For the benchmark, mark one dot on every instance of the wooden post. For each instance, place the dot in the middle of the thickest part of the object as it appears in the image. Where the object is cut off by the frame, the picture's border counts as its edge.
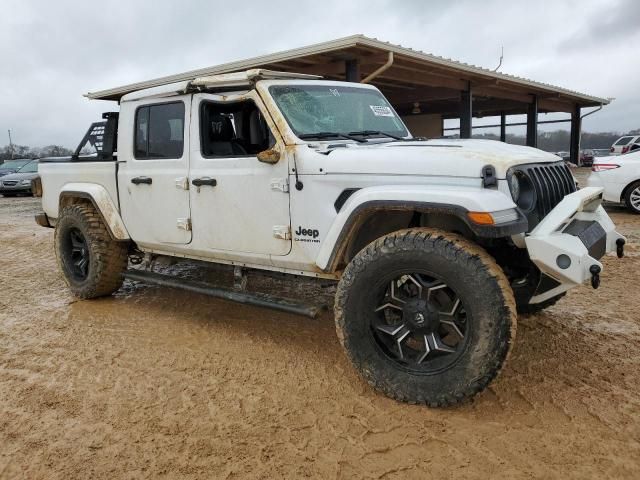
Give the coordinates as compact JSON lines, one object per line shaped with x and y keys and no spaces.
{"x":532,"y":123}
{"x":352,"y":70}
{"x":466,"y":112}
{"x":576,"y":125}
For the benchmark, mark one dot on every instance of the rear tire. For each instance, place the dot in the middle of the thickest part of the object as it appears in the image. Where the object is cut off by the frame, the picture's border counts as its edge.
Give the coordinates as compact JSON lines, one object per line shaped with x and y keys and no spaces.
{"x":632,"y":197}
{"x":91,"y":261}
{"x":455,"y":274}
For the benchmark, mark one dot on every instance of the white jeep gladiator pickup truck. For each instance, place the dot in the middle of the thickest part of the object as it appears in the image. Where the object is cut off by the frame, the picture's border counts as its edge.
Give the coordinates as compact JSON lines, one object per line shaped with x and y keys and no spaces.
{"x":435,"y":245}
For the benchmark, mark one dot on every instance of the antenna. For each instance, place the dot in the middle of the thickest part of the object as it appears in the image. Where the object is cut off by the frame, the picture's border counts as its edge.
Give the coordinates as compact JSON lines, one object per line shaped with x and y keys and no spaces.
{"x":501,"y":57}
{"x":10,"y":144}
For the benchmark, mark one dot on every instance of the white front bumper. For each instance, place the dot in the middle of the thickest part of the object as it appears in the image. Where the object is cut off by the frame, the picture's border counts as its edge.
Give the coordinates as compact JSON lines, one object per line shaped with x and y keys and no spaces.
{"x":547,"y":242}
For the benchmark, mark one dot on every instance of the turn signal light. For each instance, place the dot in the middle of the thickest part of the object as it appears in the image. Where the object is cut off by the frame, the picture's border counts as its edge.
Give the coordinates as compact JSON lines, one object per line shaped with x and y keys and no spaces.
{"x":481,"y":218}
{"x":601,"y":167}
{"x":36,"y":187}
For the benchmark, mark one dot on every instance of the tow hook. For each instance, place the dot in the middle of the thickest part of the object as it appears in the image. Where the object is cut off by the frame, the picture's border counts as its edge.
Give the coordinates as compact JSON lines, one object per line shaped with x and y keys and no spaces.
{"x":595,"y":275}
{"x":620,"y":247}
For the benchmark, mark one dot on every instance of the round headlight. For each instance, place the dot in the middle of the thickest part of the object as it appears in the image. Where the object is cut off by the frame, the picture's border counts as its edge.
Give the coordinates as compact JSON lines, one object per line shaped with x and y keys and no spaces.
{"x":522,"y":190}
{"x":514,"y":186}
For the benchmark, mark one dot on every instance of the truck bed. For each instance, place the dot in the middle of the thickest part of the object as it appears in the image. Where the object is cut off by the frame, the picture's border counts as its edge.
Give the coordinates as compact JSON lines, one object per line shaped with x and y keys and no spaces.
{"x":60,"y":174}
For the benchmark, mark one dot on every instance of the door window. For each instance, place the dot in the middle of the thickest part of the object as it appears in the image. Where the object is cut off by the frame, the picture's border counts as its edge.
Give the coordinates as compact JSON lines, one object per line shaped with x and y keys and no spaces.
{"x":235,"y":129}
{"x":159,"y":131}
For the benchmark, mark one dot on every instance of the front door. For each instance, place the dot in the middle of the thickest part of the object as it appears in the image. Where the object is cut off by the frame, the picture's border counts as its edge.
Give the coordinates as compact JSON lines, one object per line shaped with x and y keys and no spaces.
{"x":239,"y":205}
{"x":152,"y":171}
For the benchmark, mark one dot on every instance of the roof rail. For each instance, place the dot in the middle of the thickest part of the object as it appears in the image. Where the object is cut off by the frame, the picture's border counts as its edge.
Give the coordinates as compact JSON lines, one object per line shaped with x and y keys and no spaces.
{"x":246,"y":78}
{"x":224,"y":80}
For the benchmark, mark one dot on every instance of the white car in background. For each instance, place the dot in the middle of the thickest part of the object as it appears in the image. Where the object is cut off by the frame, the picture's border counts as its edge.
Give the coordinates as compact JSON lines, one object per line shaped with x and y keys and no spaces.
{"x":620,"y":178}
{"x":623,"y":144}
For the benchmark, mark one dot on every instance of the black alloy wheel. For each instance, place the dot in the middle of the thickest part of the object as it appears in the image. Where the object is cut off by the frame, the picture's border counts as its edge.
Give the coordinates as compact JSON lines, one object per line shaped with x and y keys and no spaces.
{"x":420,"y":323}
{"x":76,"y":255}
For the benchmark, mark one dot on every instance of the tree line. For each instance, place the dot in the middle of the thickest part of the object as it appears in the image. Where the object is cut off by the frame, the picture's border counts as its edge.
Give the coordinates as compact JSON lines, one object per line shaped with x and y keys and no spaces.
{"x":559,"y":140}
{"x":22,"y":151}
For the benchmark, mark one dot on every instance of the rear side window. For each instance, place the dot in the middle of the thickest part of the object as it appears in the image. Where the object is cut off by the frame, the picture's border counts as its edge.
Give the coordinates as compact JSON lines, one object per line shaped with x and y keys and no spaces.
{"x":159,"y":131}
{"x":624,"y":141}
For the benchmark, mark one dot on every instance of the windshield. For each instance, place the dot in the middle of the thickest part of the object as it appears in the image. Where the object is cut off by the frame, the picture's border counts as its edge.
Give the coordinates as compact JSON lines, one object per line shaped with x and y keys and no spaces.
{"x":311,"y":109}
{"x":13,"y":164}
{"x":30,"y":167}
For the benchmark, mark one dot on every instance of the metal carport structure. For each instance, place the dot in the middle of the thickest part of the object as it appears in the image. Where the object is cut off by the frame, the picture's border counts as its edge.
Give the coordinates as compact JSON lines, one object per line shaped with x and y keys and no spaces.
{"x":425,"y":89}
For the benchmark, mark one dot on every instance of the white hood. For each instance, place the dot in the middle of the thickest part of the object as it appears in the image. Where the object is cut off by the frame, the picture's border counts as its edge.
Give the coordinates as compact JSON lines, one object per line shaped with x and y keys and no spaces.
{"x":443,"y":157}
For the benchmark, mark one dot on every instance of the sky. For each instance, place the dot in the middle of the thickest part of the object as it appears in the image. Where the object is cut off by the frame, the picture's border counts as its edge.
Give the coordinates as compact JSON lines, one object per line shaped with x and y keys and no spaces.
{"x":51,"y":53}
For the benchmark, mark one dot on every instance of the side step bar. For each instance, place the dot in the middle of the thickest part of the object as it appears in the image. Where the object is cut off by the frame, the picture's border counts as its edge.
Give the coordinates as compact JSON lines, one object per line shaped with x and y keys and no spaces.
{"x":256,"y":299}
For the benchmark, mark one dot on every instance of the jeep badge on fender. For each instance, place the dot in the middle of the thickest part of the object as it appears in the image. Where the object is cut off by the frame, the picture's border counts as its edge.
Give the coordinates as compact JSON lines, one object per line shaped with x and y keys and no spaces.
{"x":307,"y":232}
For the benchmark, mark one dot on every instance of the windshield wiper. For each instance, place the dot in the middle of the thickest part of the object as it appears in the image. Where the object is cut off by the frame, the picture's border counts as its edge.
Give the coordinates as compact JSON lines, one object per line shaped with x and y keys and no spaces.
{"x":321,"y":135}
{"x":368,"y":133}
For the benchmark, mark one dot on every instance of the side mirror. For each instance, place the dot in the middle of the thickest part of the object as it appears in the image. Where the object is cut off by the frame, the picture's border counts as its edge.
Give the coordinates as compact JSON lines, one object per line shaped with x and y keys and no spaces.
{"x":269,"y":156}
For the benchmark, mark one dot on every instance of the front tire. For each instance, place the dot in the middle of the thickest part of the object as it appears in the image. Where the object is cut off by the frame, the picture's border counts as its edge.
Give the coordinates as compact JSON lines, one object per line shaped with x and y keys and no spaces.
{"x":425,"y":316}
{"x":632,"y":197}
{"x":91,"y":261}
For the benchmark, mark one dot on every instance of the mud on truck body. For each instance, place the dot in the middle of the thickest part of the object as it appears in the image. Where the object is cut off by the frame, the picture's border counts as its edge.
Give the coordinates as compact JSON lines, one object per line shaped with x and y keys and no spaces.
{"x":435,"y":245}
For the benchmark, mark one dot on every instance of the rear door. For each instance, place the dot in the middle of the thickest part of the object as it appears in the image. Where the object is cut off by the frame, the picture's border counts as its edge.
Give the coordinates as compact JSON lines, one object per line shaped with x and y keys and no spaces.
{"x":153,"y":158}
{"x":239,"y":205}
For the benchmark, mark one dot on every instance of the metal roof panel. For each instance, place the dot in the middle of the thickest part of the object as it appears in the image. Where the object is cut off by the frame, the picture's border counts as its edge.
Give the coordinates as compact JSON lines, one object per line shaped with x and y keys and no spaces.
{"x":341,"y":44}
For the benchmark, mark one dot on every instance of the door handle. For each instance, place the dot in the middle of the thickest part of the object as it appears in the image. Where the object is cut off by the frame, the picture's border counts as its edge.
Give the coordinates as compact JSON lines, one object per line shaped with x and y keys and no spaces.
{"x":199,"y":182}
{"x":139,"y":180}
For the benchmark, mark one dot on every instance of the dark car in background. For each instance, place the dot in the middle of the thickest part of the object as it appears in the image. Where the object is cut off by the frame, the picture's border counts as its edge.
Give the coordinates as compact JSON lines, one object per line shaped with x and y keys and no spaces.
{"x":12,"y":166}
{"x":19,"y":182}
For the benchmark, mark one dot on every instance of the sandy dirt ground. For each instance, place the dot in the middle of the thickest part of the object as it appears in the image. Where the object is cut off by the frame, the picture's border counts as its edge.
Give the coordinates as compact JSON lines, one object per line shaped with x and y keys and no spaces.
{"x":156,"y":383}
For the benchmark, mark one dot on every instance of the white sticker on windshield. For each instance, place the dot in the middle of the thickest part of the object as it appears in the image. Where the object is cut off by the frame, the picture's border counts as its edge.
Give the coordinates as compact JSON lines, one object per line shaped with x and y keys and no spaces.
{"x":381,"y":111}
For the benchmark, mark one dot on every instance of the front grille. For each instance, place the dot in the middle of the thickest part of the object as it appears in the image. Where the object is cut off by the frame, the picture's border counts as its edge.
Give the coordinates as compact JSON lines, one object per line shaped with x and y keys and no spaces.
{"x":551,"y":182}
{"x":10,"y":183}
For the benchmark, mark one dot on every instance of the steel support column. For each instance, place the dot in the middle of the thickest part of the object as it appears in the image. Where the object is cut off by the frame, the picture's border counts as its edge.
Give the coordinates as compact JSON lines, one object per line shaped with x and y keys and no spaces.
{"x":466,"y":112}
{"x":503,"y":127}
{"x":352,"y":70}
{"x":532,"y":123}
{"x":576,"y":125}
